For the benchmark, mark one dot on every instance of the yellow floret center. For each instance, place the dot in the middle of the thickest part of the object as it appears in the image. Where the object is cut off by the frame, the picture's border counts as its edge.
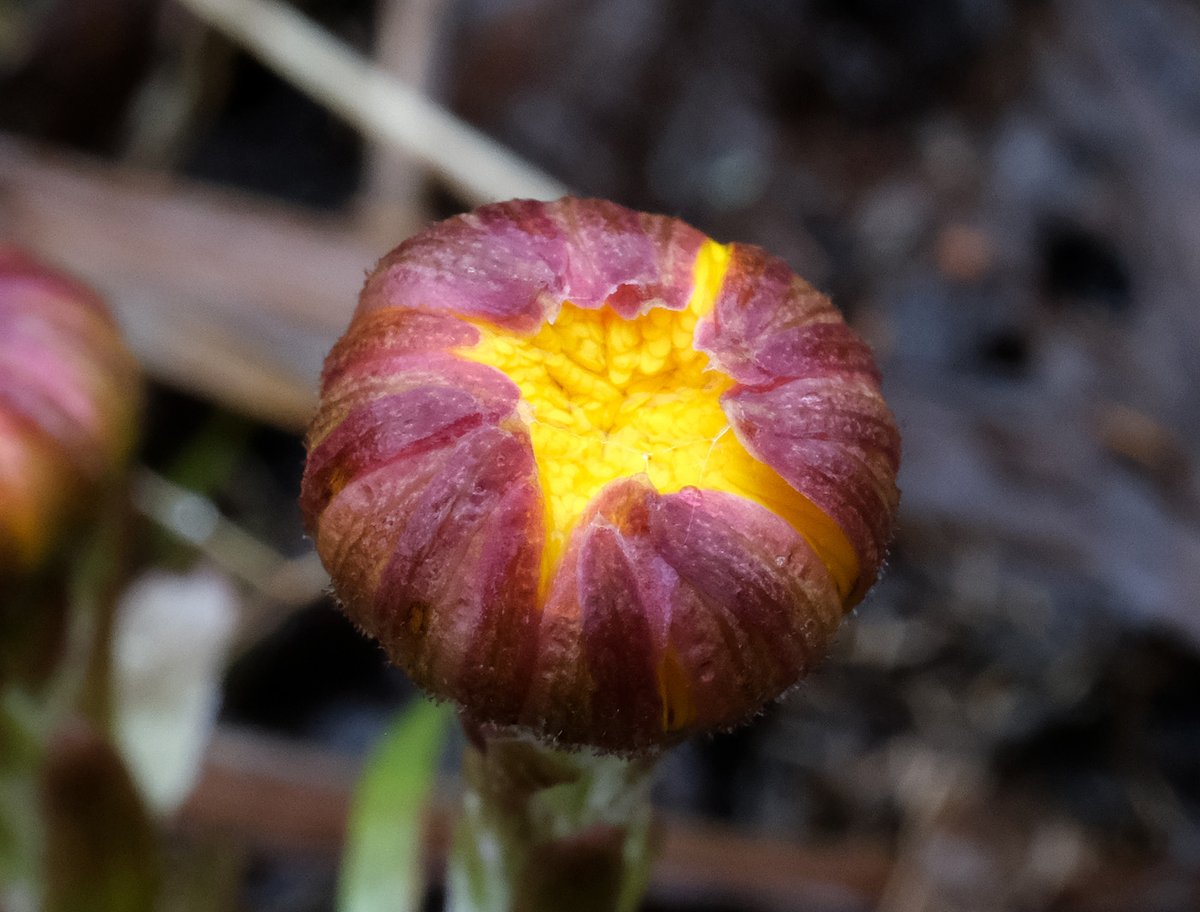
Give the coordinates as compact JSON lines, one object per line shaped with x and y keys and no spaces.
{"x":607,"y":398}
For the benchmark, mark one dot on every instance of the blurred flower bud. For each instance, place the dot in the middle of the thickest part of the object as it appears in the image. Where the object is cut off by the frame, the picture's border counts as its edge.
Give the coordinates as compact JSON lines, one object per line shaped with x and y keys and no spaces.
{"x":69,"y":394}
{"x":585,"y":471}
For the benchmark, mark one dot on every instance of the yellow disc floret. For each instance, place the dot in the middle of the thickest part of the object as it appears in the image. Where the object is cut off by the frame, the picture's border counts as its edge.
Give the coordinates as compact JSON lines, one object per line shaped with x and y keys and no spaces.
{"x":606,"y":398}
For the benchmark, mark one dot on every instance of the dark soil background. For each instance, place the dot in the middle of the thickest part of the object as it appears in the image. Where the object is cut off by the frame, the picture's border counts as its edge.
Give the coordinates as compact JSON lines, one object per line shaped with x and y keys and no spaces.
{"x":1004,"y":198}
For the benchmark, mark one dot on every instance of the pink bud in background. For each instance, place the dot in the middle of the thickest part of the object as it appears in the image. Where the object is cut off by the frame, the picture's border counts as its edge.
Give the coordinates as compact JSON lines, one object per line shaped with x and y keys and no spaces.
{"x":587,"y":472}
{"x":69,"y":396}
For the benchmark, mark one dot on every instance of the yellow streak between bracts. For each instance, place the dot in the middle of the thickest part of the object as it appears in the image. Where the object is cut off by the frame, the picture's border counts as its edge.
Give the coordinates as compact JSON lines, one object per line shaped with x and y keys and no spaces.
{"x":606,"y":398}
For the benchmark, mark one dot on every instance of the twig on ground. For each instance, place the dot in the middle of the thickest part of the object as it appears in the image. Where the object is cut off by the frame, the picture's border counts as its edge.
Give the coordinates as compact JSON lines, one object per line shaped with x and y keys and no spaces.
{"x":281,"y":795}
{"x":408,"y":44}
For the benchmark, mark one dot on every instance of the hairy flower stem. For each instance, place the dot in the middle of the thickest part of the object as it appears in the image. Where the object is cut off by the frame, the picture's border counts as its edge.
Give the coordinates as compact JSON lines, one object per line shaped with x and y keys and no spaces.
{"x":545,"y":830}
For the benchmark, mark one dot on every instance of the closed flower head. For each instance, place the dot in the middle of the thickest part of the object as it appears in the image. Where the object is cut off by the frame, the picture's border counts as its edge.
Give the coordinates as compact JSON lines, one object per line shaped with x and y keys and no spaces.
{"x":69,"y":395}
{"x":585,"y":471}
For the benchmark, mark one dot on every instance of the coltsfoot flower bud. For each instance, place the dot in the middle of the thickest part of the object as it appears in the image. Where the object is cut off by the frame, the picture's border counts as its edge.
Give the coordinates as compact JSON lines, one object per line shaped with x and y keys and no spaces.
{"x":585,"y":471}
{"x":69,"y":395}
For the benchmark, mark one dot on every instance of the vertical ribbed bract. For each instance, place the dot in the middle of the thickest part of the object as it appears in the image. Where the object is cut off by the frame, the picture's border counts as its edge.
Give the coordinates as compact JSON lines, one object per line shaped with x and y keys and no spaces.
{"x":435,"y":479}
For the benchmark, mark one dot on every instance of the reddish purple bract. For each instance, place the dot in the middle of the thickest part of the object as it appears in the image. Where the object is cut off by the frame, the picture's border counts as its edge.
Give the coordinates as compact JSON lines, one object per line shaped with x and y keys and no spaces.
{"x":666,"y":612}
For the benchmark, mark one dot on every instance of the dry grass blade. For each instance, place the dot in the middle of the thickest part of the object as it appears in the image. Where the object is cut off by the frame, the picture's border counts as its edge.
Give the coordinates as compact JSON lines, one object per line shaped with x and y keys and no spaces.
{"x":474,"y":165}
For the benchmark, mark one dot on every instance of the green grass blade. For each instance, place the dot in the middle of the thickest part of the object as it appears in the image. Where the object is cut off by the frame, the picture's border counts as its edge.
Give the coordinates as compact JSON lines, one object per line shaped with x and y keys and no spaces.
{"x":381,"y":870}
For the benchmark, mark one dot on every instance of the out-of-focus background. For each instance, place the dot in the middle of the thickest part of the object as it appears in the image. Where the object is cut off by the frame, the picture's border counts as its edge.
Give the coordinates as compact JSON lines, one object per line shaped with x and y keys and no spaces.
{"x":1002,"y":195}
